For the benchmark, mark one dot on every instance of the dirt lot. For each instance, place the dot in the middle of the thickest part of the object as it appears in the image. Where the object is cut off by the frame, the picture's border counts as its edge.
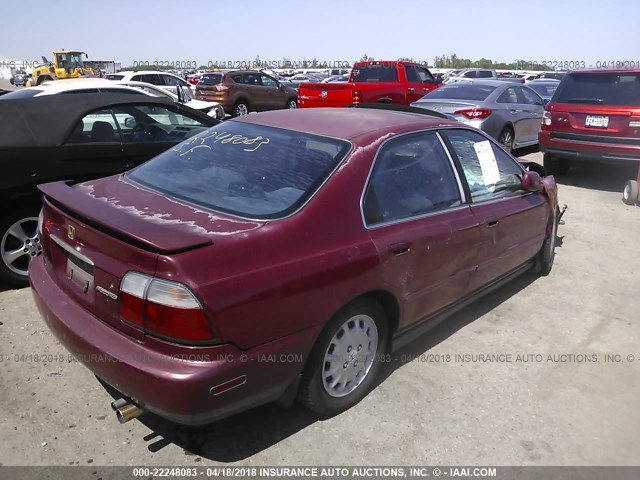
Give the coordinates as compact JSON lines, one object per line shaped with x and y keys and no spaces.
{"x":568,"y":406}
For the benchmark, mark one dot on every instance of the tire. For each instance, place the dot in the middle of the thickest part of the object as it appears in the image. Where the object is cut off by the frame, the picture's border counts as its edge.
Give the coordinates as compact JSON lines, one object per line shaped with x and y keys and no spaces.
{"x":241,"y":108}
{"x":357,"y":363}
{"x":18,"y":232}
{"x":292,"y":103}
{"x":547,"y":254}
{"x":630,"y":193}
{"x":506,"y":139}
{"x":554,"y":165}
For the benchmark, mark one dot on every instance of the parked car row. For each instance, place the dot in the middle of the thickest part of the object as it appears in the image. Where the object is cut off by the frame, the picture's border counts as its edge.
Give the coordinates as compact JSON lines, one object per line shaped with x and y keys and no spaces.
{"x":91,"y":85}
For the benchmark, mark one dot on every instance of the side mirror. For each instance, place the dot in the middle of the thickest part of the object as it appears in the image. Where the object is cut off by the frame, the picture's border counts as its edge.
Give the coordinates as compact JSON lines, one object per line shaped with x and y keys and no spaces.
{"x":180,"y":93}
{"x":532,"y":182}
{"x":545,"y":102}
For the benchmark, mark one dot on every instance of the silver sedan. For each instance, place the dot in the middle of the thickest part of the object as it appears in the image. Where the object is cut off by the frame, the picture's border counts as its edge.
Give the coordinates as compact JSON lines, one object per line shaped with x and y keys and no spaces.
{"x":509,"y":112}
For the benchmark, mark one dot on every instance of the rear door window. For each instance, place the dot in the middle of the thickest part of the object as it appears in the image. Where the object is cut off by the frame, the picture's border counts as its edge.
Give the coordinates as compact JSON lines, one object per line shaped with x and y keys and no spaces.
{"x":606,"y":88}
{"x":412,"y":176}
{"x":509,"y":96}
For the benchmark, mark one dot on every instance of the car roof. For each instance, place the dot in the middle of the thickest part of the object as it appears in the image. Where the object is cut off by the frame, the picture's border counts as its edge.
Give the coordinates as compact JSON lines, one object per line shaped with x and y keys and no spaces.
{"x":605,"y":70}
{"x":142,"y":72}
{"x":345,"y":123}
{"x":81,"y":84}
{"x":47,"y":121}
{"x":493,"y":83}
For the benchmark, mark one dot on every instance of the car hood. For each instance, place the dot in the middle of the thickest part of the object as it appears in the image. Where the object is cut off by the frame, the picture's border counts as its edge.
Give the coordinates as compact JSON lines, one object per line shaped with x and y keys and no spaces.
{"x":201,"y":104}
{"x":146,"y":218}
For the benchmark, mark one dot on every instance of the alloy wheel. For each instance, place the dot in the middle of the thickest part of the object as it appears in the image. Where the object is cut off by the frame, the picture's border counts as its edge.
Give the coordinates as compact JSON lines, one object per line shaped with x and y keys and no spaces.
{"x":20,"y":245}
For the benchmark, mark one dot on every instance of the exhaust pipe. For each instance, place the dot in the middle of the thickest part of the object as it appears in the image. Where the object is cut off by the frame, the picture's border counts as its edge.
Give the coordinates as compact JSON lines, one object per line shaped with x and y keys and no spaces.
{"x":128,"y":412}
{"x":118,"y":403}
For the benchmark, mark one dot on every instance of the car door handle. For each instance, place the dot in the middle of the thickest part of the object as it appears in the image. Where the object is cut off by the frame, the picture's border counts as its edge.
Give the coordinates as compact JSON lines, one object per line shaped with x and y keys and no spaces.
{"x":398,"y":249}
{"x":513,"y":111}
{"x":411,"y":89}
{"x":491,"y":221}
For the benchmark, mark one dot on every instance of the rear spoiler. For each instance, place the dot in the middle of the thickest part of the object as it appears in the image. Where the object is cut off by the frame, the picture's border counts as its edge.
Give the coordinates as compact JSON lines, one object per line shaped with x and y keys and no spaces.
{"x":162,"y":238}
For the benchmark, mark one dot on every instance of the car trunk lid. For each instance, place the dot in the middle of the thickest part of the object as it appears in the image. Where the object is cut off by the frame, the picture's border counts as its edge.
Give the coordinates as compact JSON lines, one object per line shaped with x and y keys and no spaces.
{"x":597,"y":104}
{"x":595,"y":120}
{"x":95,"y":232}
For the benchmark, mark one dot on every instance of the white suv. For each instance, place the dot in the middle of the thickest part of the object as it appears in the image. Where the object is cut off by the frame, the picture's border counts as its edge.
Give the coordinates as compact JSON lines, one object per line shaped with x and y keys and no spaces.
{"x":166,"y":81}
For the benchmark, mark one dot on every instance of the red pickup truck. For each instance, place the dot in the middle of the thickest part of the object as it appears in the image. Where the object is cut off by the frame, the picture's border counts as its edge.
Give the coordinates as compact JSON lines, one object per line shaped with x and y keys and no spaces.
{"x":371,"y":82}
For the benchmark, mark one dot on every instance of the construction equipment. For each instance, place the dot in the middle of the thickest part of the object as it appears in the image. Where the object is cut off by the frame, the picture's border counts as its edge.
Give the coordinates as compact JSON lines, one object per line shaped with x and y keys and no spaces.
{"x":65,"y":64}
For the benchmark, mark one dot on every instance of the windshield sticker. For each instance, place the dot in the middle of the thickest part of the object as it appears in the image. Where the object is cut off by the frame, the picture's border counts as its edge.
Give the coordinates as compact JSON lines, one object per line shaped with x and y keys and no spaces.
{"x":488,"y":163}
{"x":223,"y":138}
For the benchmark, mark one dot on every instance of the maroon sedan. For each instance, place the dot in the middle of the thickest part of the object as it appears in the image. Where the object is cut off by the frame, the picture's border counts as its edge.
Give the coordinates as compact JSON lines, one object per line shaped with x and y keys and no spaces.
{"x":283,"y":255}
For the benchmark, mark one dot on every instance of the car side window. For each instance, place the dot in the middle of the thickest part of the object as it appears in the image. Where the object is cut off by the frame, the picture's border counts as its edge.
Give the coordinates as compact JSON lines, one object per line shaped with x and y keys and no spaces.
{"x":252,"y":79}
{"x":155,"y":123}
{"x":470,"y":74}
{"x":424,"y":75}
{"x":509,"y":96}
{"x":530,"y":97}
{"x":412,"y":176}
{"x":412,"y":74}
{"x":96,"y":127}
{"x":267,"y":81}
{"x":490,"y":171}
{"x":485,"y":74}
{"x":170,"y":81}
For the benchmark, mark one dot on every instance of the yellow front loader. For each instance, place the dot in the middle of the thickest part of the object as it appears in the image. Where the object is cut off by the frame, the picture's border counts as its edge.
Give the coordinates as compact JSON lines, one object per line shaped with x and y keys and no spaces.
{"x":65,"y":64}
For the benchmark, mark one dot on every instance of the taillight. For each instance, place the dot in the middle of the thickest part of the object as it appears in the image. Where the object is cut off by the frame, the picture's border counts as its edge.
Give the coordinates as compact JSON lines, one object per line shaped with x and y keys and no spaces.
{"x":164,"y":308}
{"x":474,"y":113}
{"x":546,"y":120}
{"x":356,"y":97}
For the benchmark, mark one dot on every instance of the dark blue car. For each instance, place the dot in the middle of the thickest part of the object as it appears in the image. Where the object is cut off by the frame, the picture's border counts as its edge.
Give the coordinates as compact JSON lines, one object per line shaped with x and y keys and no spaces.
{"x":19,"y":78}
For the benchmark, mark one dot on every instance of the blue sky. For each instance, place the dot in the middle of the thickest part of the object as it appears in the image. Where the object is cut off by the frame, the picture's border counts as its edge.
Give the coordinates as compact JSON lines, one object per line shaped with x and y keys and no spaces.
{"x":169,"y":30}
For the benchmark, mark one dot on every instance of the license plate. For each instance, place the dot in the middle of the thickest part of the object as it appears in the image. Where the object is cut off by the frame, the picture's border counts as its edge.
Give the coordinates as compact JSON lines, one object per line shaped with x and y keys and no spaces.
{"x":597,"y":121}
{"x":80,"y":273}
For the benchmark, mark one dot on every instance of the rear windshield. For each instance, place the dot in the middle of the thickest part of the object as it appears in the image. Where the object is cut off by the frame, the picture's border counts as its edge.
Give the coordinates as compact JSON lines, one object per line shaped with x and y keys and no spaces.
{"x":211,"y":79}
{"x":112,"y":76}
{"x":247,"y":170}
{"x":599,"y":89}
{"x":460,"y":91}
{"x":375,"y":73}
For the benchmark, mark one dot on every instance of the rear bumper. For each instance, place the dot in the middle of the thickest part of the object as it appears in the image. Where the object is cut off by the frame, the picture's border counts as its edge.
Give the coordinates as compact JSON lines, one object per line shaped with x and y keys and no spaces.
{"x":172,"y":381}
{"x":588,"y":151}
